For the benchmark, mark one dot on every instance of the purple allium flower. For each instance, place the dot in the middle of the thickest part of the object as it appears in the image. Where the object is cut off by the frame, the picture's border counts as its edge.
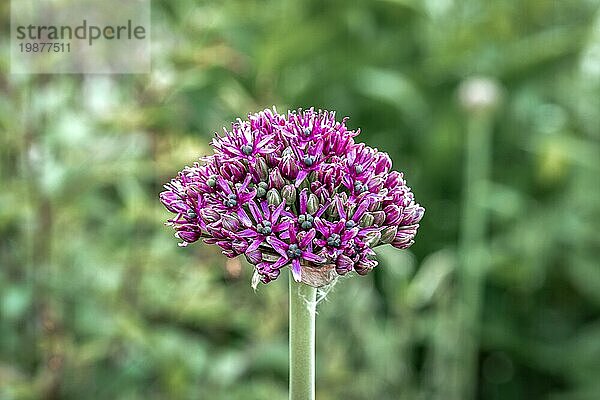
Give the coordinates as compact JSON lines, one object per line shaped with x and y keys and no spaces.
{"x":294,"y":189}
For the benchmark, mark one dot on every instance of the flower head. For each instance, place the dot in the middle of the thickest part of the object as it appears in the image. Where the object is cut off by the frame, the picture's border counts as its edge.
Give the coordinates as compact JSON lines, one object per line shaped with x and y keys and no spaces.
{"x":294,"y":190}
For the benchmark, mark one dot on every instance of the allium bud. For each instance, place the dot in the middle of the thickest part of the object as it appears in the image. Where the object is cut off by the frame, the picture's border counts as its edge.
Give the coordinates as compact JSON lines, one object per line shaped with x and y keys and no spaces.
{"x":479,"y":94}
{"x":234,"y":171}
{"x":321,"y":193}
{"x":209,"y":215}
{"x":406,"y":232}
{"x":312,"y":205}
{"x":254,"y":257}
{"x":288,"y":193}
{"x":230,"y":222}
{"x":378,"y":217}
{"x":351,"y":208}
{"x":262,"y":168}
{"x":373,"y":238}
{"x":343,"y":264}
{"x":332,"y":210}
{"x":261,"y":189}
{"x":402,"y":244}
{"x":393,"y":215}
{"x":394,"y":179}
{"x":172,"y":202}
{"x":366,"y":262}
{"x":383,"y":163}
{"x":362,"y":268}
{"x":404,"y":237}
{"x":366,"y":220}
{"x":188,"y":236}
{"x":289,"y":167}
{"x":271,"y":159}
{"x":275,"y":179}
{"x":388,"y":234}
{"x":273,"y":197}
{"x":239,"y":246}
{"x":412,"y":215}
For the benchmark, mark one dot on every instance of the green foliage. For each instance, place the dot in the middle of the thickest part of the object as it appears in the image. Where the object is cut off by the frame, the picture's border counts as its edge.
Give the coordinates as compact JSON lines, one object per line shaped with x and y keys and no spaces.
{"x":98,"y":302}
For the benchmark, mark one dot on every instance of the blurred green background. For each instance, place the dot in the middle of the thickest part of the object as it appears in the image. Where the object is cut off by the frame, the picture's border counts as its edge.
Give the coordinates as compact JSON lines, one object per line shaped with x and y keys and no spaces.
{"x":498,"y":299}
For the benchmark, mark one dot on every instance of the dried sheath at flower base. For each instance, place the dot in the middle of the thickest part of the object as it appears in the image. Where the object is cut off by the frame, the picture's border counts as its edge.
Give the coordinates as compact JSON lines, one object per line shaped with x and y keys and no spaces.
{"x":294,"y":190}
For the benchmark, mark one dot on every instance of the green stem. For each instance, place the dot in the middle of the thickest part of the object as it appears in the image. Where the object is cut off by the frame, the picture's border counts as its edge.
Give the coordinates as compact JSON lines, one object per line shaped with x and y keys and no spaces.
{"x":473,"y":262}
{"x":302,"y":340}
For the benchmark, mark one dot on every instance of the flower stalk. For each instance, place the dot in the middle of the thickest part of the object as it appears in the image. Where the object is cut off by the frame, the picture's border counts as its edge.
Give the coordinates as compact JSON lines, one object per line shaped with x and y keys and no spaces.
{"x":480,"y":98}
{"x":303,"y":299}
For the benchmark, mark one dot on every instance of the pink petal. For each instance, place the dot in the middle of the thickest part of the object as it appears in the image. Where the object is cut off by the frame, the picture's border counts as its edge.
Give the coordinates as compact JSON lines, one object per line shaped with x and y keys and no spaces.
{"x":296,"y":270}
{"x":340,"y":208}
{"x":277,"y":212}
{"x":265,"y":207}
{"x":263,"y":142}
{"x":245,"y":183}
{"x":319,"y":149}
{"x":339,"y":227}
{"x":223,"y":185}
{"x":247,"y":233}
{"x":278,"y":245}
{"x":307,"y":239}
{"x":301,"y":175}
{"x":360,"y":210}
{"x":255,"y":245}
{"x":255,"y":211}
{"x":244,"y":217}
{"x":303,"y":200}
{"x":324,"y":208}
{"x":279,"y":263}
{"x":308,"y":256}
{"x":321,"y":226}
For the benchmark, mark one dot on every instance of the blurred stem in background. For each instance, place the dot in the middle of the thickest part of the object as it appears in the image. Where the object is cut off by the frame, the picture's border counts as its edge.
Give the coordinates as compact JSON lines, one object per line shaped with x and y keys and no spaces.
{"x":303,"y":302}
{"x":479,"y":97}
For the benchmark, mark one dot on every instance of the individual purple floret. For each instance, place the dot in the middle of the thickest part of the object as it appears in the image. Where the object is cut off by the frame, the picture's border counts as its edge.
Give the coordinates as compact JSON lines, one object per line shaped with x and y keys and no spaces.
{"x":294,"y":189}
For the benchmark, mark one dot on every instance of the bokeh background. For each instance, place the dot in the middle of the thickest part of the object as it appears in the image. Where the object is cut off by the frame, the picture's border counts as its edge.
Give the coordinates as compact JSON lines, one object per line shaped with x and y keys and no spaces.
{"x":498,"y":299}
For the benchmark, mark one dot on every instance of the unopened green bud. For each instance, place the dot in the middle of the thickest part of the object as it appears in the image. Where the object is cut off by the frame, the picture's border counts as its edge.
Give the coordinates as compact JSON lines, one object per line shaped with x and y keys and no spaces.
{"x":262,"y":168}
{"x":261,"y":192}
{"x":275,"y":178}
{"x":273,"y":197}
{"x":312,"y":205}
{"x":322,"y":197}
{"x":388,"y":234}
{"x":372,"y":239}
{"x":350,"y":209}
{"x":289,"y":194}
{"x":332,"y":211}
{"x":212,"y":181}
{"x":366,"y":220}
{"x":376,"y":205}
{"x":378,"y":217}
